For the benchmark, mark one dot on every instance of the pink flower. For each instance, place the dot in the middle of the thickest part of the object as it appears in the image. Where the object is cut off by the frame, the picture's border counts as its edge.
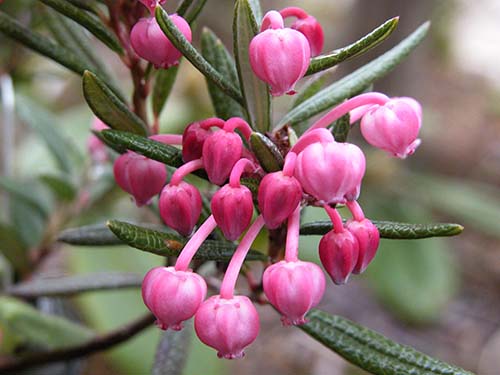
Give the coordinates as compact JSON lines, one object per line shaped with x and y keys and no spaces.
{"x":96,"y":149}
{"x":152,"y":4}
{"x":150,"y":43}
{"x":173,"y":296}
{"x":294,"y":288}
{"x":193,"y":138}
{"x":227,"y":325}
{"x":279,"y":56}
{"x":307,"y":25}
{"x":394,"y":127}
{"x":338,"y":252}
{"x":368,"y":240}
{"x":139,"y":176}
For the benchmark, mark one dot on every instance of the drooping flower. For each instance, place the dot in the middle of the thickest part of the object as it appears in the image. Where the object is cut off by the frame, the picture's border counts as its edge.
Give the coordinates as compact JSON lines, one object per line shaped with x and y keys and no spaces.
{"x":307,"y":25}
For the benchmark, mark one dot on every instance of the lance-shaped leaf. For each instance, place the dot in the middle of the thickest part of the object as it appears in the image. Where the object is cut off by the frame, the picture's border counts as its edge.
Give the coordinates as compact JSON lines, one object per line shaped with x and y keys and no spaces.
{"x":89,"y":235}
{"x":357,"y":48}
{"x":256,"y":10}
{"x":190,"y":53}
{"x":13,"y":248}
{"x":164,"y":81}
{"x":341,"y":128}
{"x":89,"y":21}
{"x":370,"y":350}
{"x":255,"y":92}
{"x":152,"y":149}
{"x":183,"y":7}
{"x":168,"y":244}
{"x":356,"y":81}
{"x":70,"y":285}
{"x":216,"y":54}
{"x":32,"y":327}
{"x":110,"y":108}
{"x":60,"y":186}
{"x":30,"y":194}
{"x":195,"y":11}
{"x":393,"y":230}
{"x":266,"y":152}
{"x":172,"y":352}
{"x":41,"y":44}
{"x":84,"y":4}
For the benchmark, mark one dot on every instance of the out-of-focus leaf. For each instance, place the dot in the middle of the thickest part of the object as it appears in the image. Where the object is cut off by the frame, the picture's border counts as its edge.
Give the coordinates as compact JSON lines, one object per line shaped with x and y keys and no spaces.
{"x":13,"y":248}
{"x":30,"y":326}
{"x":60,"y":186}
{"x":266,"y":152}
{"x":164,"y":81}
{"x":89,"y":21}
{"x":356,"y":81}
{"x":28,"y":222}
{"x":216,"y":54}
{"x":41,"y":44}
{"x":44,"y":123}
{"x":6,"y":272}
{"x":90,"y":235}
{"x":29,"y":194}
{"x":183,"y":7}
{"x":393,"y":230}
{"x":168,"y":244}
{"x":370,"y":350}
{"x":357,"y":48}
{"x":255,"y":92}
{"x":256,"y":9}
{"x":341,"y":128}
{"x":70,"y":285}
{"x":83,"y":4}
{"x":152,"y":149}
{"x":108,"y":107}
{"x":172,"y":352}
{"x":195,"y":11}
{"x":190,"y":53}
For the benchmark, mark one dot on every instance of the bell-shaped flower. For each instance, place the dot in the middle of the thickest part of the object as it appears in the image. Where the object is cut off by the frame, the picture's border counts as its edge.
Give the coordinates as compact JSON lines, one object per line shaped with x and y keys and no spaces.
{"x":338,"y":252}
{"x":307,"y":25}
{"x":368,"y":238}
{"x":193,"y":138}
{"x":173,"y":296}
{"x":221,"y":151}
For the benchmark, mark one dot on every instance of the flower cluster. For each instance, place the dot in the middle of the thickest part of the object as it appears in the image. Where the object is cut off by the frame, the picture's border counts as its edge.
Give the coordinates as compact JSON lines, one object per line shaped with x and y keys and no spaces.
{"x":317,"y":171}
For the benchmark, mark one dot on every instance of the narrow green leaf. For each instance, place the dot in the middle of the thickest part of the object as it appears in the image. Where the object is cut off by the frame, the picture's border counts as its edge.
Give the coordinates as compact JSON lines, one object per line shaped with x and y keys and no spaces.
{"x":357,"y":48}
{"x":195,"y":11}
{"x":71,"y":285}
{"x":216,"y":54}
{"x":60,"y":186}
{"x":183,"y":7}
{"x":32,"y":327}
{"x":164,"y":81}
{"x":370,"y":350}
{"x":190,"y":53}
{"x":168,"y":244}
{"x":256,"y":10}
{"x":41,"y":44}
{"x":172,"y":352}
{"x":356,"y":81}
{"x":266,"y":152}
{"x":341,"y":128}
{"x":84,"y":4}
{"x":89,"y":235}
{"x":13,"y":248}
{"x":152,"y":149}
{"x":28,"y":193}
{"x":255,"y":92}
{"x":393,"y":230}
{"x":108,"y":107}
{"x":89,"y":21}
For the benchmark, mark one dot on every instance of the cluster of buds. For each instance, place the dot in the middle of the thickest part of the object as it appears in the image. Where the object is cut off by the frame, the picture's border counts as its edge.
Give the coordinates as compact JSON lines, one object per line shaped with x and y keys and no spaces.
{"x":317,"y":171}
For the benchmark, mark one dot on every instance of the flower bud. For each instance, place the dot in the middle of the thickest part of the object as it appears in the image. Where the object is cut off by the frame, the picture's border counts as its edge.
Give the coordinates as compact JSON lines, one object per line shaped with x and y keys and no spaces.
{"x":232,"y":208}
{"x":279,"y":56}
{"x":338,"y":252}
{"x":221,"y":151}
{"x":173,"y":296}
{"x":307,"y":25}
{"x":394,"y":127}
{"x":331,"y":171}
{"x":180,"y":207}
{"x":151,"y":4}
{"x":294,"y":288}
{"x":193,"y":138}
{"x":150,"y":43}
{"x":278,"y":197}
{"x":368,"y":240}
{"x":227,"y":325}
{"x":139,"y":176}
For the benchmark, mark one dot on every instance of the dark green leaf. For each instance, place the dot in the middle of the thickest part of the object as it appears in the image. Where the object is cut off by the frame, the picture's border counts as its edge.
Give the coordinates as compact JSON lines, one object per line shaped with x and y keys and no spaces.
{"x":164,"y":81}
{"x":190,"y":53}
{"x":183,"y":7}
{"x":152,"y":149}
{"x":13,"y":248}
{"x":357,"y":48}
{"x":356,"y":81}
{"x":256,"y":93}
{"x":216,"y":54}
{"x":90,"y":235}
{"x":168,"y":244}
{"x":195,"y":11}
{"x":60,"y":186}
{"x":172,"y":352}
{"x":108,"y":107}
{"x":370,"y":350}
{"x":393,"y":230}
{"x":266,"y":152}
{"x":89,"y":21}
{"x":41,"y":44}
{"x":341,"y":128}
{"x":28,"y":221}
{"x":83,"y":4}
{"x":70,"y":285}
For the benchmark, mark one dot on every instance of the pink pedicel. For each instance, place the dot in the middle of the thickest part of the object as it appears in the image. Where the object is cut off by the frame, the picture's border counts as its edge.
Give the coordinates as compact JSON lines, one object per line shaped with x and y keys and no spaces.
{"x":307,"y":25}
{"x":329,"y":171}
{"x":139,"y":176}
{"x":294,"y":288}
{"x":279,"y":194}
{"x":194,"y":137}
{"x":96,"y":148}
{"x":279,"y":55}
{"x":173,"y":296}
{"x":228,"y":325}
{"x":394,"y":126}
{"x":152,"y":4}
{"x":150,"y":43}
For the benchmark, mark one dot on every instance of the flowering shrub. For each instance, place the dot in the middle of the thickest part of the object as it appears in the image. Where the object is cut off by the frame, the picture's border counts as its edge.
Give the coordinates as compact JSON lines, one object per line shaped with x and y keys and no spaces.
{"x":263,"y":174}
